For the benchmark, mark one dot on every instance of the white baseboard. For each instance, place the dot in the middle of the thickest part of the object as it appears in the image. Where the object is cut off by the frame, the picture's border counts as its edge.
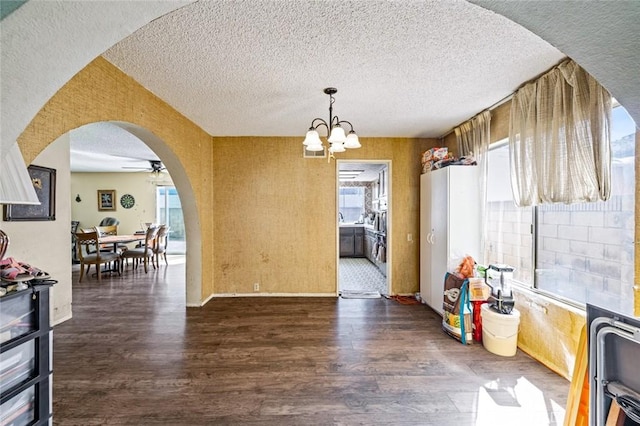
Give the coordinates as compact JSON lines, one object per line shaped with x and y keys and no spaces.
{"x":276,"y":295}
{"x":63,"y":319}
{"x":201,"y":304}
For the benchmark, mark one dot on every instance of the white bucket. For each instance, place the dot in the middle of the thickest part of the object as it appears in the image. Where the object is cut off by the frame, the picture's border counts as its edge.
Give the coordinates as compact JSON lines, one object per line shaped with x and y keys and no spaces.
{"x":500,"y":331}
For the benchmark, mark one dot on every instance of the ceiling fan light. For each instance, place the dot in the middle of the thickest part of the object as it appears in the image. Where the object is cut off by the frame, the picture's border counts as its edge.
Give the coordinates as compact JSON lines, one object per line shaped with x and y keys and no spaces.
{"x":337,"y":135}
{"x":352,"y":141}
{"x":312,"y":138}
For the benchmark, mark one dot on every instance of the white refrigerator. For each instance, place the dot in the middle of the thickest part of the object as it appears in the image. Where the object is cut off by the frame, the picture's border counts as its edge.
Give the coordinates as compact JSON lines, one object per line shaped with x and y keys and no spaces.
{"x":449,"y":226}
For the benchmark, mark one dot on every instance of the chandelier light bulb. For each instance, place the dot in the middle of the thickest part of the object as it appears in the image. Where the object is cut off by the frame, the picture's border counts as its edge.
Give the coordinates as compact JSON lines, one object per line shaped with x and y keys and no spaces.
{"x":352,"y":141}
{"x":337,"y":147}
{"x":337,"y":134}
{"x":316,"y":146}
{"x":312,"y":138}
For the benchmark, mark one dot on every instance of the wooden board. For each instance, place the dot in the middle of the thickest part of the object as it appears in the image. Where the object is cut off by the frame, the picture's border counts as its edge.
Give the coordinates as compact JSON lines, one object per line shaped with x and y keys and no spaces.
{"x":616,"y":416}
{"x":577,"y":413}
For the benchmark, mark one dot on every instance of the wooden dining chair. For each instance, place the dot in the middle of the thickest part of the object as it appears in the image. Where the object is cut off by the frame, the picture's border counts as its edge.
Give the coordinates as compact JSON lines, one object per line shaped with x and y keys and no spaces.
{"x":160,"y":247}
{"x":89,"y":253}
{"x":107,"y":230}
{"x":145,"y":251}
{"x":110,"y":230}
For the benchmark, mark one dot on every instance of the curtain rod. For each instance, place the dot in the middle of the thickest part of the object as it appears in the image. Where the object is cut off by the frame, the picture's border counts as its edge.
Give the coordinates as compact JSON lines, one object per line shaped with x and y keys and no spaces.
{"x":509,"y":97}
{"x":491,"y":108}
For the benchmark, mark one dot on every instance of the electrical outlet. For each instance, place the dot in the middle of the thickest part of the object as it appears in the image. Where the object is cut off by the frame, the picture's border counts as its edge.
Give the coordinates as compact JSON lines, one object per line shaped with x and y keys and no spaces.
{"x":410,"y":237}
{"x":256,"y":287}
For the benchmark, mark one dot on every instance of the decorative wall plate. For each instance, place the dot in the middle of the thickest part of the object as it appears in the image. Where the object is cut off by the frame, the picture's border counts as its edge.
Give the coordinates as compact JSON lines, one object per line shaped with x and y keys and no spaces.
{"x":127,"y":201}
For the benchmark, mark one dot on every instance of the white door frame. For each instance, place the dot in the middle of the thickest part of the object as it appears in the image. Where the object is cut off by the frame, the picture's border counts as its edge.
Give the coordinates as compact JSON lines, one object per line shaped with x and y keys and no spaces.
{"x":389,"y":252}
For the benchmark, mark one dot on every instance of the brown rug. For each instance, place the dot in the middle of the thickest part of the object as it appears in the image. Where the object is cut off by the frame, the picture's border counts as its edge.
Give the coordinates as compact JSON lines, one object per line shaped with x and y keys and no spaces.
{"x":405,"y":300}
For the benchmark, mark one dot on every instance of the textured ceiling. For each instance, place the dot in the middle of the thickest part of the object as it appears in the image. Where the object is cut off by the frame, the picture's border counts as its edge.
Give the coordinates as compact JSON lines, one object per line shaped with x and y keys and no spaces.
{"x":602,"y":36}
{"x":405,"y":69}
{"x":107,"y":147}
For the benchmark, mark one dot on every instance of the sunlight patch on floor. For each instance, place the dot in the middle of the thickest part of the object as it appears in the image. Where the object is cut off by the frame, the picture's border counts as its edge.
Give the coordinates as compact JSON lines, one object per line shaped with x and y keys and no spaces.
{"x":175,"y":259}
{"x":502,"y":403}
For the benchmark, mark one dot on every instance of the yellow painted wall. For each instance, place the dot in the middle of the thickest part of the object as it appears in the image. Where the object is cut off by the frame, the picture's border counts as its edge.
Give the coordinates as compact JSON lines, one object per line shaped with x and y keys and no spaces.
{"x":549,"y":331}
{"x":276,"y":214}
{"x":101,"y":92}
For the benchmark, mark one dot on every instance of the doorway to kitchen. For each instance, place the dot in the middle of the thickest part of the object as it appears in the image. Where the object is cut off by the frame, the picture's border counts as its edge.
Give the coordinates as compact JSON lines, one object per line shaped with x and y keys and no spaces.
{"x":363,"y":218}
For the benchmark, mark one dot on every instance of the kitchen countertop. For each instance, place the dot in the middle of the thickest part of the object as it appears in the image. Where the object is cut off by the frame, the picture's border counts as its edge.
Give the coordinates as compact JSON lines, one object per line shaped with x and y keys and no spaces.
{"x":367,"y":226}
{"x":355,"y":225}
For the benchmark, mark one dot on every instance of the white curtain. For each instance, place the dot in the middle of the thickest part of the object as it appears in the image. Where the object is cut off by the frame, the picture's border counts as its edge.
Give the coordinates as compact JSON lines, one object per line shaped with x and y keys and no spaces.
{"x":559,"y":139}
{"x":473,"y":138}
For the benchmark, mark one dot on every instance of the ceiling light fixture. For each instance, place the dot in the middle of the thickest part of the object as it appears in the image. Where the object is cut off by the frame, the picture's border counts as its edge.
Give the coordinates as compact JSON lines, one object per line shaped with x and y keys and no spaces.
{"x":335,"y":133}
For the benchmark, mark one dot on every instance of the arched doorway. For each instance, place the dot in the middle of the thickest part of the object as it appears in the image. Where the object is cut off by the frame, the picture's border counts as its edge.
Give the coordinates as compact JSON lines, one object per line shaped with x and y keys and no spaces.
{"x":181,"y":183}
{"x":55,"y":154}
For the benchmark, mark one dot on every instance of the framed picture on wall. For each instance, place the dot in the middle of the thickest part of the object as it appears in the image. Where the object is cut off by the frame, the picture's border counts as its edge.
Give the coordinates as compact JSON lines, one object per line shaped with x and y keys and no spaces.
{"x":44,"y":182}
{"x":106,"y":199}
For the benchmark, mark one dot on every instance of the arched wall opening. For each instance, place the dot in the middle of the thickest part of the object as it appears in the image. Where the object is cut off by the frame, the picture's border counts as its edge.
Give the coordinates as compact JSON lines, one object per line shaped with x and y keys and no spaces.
{"x":100,"y":93}
{"x":130,"y":136}
{"x":187,"y":199}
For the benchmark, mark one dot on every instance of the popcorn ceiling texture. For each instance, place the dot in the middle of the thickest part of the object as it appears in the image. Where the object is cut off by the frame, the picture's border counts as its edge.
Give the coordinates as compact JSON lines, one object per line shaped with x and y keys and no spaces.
{"x":600,"y":36}
{"x":45,"y":43}
{"x":402,"y":69}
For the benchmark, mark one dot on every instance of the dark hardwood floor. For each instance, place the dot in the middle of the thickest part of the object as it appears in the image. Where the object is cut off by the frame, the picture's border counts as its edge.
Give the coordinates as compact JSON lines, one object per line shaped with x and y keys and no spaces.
{"x":133,"y":354}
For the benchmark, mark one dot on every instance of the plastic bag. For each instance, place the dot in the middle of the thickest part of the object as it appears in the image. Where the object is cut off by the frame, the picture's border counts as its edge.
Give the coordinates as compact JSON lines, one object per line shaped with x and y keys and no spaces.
{"x":462,"y":267}
{"x":456,"y":318}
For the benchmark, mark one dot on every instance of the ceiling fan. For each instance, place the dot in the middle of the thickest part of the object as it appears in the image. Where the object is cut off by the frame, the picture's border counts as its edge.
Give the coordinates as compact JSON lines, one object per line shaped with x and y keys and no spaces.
{"x":155,"y":166}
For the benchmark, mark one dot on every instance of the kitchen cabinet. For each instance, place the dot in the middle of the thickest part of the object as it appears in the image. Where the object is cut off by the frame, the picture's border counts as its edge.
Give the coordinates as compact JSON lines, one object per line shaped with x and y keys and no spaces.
{"x":25,"y":357}
{"x":373,"y":239}
{"x":380,"y":190}
{"x":369,"y":241}
{"x":383,"y":182}
{"x":351,"y":241}
{"x":449,"y":226}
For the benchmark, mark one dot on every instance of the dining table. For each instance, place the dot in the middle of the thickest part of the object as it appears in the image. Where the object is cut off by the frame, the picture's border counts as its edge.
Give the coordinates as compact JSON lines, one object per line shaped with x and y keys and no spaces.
{"x":119,"y":239}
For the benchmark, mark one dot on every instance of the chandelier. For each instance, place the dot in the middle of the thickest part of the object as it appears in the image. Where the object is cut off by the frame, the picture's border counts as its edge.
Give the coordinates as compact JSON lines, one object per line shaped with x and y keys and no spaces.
{"x":338,"y":140}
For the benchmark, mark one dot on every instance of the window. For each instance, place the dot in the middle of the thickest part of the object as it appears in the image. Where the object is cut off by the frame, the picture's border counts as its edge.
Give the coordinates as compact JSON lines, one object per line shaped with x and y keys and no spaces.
{"x":352,"y":203}
{"x":508,"y":238}
{"x":583,"y":252}
{"x":169,"y":211}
